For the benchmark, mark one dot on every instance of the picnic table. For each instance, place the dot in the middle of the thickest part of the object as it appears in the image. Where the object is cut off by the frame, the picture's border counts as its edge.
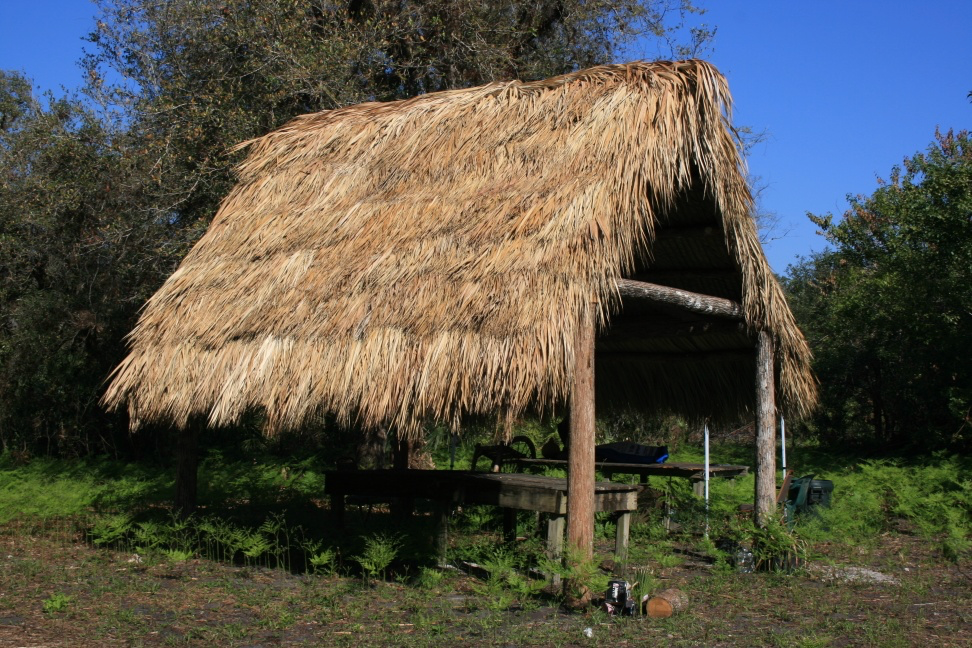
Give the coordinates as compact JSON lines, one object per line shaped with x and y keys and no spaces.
{"x":510,"y":491}
{"x":694,"y":472}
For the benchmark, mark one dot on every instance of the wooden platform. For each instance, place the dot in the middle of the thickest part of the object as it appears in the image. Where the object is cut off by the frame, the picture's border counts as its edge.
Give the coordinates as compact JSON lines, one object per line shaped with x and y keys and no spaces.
{"x":509,"y":491}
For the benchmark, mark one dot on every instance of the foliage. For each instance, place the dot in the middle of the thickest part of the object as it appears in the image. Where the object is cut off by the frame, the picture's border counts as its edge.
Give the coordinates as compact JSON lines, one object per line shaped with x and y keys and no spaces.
{"x":429,"y":578}
{"x":888,"y":310}
{"x":933,"y":499}
{"x":50,"y":489}
{"x":58,"y":602}
{"x":379,"y":552}
{"x":76,"y":261}
{"x":776,"y":547}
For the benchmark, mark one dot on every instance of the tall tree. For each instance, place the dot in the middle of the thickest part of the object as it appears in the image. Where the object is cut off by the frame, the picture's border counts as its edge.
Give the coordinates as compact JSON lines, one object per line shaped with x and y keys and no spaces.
{"x":888,"y":310}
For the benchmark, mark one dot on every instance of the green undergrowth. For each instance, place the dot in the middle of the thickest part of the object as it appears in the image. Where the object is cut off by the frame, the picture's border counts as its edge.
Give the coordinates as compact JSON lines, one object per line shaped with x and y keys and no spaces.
{"x":375,"y":581}
{"x":46,"y":489}
{"x":270,"y":513}
{"x":931,"y":498}
{"x":54,"y":488}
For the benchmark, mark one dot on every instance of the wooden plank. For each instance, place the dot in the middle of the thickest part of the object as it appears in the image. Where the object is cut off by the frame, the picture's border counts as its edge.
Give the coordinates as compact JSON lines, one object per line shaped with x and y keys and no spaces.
{"x":580,"y":458}
{"x":545,"y":501}
{"x":616,"y":501}
{"x":649,"y":325}
{"x":765,"y":496}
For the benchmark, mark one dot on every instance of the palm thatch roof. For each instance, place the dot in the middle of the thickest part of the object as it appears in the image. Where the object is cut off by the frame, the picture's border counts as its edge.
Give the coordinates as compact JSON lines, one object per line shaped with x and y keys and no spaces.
{"x":429,"y":259}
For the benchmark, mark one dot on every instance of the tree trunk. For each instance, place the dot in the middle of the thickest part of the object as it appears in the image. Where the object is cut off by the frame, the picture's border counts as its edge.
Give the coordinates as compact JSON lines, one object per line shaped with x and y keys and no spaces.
{"x":187,"y":468}
{"x":880,"y":431}
{"x":765,"y":430}
{"x":580,"y":457}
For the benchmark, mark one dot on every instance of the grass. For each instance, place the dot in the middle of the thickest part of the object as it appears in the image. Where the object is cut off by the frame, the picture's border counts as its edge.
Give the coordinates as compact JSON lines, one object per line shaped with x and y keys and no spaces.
{"x":106,"y":564}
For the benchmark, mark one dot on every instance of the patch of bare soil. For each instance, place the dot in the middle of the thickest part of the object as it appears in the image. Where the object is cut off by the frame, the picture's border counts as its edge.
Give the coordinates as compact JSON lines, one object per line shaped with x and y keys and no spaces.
{"x":57,"y":591}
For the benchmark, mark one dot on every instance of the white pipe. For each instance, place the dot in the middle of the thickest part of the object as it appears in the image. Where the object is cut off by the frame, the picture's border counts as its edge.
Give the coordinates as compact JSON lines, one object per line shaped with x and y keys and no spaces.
{"x":783,"y":444}
{"x":706,"y":479}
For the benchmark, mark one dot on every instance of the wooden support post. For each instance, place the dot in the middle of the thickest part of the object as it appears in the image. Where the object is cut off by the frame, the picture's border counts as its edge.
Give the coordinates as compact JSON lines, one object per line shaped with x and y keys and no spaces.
{"x":404,"y":506}
{"x":580,"y":460}
{"x":442,"y":533}
{"x":509,"y":525}
{"x":621,"y":536}
{"x":555,"y":543}
{"x":402,"y":453}
{"x":187,"y":468}
{"x":337,"y":509}
{"x":765,"y":497}
{"x":698,"y":488}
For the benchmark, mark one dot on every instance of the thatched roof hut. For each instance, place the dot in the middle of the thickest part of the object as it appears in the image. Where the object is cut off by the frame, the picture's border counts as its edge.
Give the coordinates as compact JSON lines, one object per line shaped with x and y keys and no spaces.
{"x":429,"y":259}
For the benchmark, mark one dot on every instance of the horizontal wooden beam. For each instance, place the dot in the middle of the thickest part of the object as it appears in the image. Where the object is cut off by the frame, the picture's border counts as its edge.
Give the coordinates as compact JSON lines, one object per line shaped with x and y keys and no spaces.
{"x":650,"y":326}
{"x":675,"y":275}
{"x":690,"y":301}
{"x":690,"y":232}
{"x":677,"y":356}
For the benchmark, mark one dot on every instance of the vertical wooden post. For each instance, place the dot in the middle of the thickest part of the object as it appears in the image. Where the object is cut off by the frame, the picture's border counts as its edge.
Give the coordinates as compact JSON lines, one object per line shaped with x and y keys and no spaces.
{"x":402,"y":453}
{"x":555,"y":544}
{"x":509,"y":525}
{"x":442,"y":533}
{"x":765,"y":498}
{"x":621,"y":534}
{"x":187,"y":468}
{"x":580,"y":459}
{"x":404,"y":506}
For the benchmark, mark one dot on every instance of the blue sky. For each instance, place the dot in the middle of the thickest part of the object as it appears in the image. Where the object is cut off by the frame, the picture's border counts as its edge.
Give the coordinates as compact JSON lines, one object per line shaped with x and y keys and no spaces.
{"x":844,"y":90}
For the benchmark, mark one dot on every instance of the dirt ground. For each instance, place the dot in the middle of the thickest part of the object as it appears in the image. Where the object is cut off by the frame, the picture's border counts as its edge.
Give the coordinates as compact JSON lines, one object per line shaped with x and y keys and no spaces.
{"x":58,"y":591}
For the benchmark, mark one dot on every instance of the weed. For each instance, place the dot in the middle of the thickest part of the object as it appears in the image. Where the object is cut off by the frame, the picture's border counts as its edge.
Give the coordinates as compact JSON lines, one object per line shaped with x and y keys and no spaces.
{"x":321,"y":562}
{"x":644,"y":583}
{"x":379,"y":552}
{"x":429,"y":578}
{"x":57,"y":603}
{"x":177,"y":555}
{"x":935,"y":498}
{"x":579,"y":574}
{"x":776,"y":547}
{"x":109,"y":530}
